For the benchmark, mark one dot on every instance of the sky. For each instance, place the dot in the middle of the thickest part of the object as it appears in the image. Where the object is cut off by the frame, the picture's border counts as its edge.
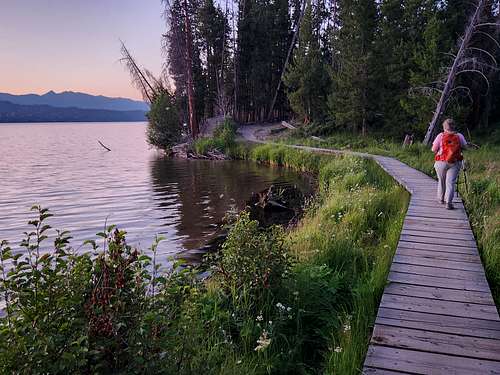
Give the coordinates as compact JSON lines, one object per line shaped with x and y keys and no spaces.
{"x":74,"y":45}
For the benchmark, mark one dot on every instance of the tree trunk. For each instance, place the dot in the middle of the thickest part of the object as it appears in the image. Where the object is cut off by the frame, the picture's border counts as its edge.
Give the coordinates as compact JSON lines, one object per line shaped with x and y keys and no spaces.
{"x":193,"y":124}
{"x":450,"y":81}
{"x":294,"y":39}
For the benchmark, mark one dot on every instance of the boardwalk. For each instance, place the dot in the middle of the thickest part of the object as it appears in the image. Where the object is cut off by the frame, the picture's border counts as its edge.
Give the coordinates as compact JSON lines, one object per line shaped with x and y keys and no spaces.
{"x":437,"y":315}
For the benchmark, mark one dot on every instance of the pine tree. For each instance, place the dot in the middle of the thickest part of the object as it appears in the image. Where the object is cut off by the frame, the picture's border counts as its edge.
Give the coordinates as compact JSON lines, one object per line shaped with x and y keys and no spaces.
{"x":213,"y":30}
{"x":175,"y":49}
{"x":307,"y":80}
{"x":352,"y":102}
{"x":263,"y":32}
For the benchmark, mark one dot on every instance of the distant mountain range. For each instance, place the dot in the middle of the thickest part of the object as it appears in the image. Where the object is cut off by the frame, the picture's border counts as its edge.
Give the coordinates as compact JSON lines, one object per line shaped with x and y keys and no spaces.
{"x":69,"y":106}
{"x":10,"y":112}
{"x":76,"y":99}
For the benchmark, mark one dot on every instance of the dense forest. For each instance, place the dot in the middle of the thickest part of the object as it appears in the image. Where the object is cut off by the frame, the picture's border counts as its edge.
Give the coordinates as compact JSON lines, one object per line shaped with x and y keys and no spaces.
{"x":353,"y":65}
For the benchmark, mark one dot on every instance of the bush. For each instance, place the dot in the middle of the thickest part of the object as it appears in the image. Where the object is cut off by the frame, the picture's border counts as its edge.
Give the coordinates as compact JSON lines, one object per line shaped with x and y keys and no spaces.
{"x":164,"y":128}
{"x":223,"y":139}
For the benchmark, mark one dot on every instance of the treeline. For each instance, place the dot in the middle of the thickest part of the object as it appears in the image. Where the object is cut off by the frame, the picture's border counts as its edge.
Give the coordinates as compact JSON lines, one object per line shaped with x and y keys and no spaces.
{"x":355,"y":65}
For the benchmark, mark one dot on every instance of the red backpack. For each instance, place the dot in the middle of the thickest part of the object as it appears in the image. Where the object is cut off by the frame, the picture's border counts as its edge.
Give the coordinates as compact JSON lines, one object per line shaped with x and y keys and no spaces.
{"x":451,"y":149}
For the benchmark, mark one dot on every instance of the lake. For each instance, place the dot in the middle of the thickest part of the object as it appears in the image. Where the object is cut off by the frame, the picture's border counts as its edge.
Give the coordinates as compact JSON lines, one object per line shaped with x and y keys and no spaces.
{"x":61,"y":166}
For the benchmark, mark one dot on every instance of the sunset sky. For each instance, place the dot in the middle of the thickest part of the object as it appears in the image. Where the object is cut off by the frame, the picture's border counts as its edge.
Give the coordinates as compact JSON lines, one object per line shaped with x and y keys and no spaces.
{"x":74,"y":44}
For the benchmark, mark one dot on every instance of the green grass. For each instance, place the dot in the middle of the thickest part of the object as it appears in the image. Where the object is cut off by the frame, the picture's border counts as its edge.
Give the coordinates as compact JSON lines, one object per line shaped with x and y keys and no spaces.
{"x":223,"y":139}
{"x":481,"y":198}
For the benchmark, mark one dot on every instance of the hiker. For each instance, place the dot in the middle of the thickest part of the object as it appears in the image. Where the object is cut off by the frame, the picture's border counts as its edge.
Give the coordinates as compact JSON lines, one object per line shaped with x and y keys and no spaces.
{"x":447,"y":148}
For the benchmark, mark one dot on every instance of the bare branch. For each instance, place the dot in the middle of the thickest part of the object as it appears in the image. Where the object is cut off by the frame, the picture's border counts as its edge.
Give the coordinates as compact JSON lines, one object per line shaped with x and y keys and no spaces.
{"x":478,"y":72}
{"x":487,"y":24}
{"x":138,"y":78}
{"x":485,"y":52}
{"x":467,"y":91}
{"x":489,"y":36}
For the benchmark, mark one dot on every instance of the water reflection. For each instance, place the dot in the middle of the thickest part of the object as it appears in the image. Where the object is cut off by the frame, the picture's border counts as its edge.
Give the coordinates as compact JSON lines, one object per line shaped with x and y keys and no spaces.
{"x":62,"y":167}
{"x":207,"y":190}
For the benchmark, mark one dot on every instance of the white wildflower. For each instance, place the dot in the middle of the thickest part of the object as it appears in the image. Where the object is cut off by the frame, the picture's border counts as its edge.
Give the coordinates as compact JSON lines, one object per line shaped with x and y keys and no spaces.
{"x":259,"y":318}
{"x":338,"y":349}
{"x":263,"y":342}
{"x":347,"y":327}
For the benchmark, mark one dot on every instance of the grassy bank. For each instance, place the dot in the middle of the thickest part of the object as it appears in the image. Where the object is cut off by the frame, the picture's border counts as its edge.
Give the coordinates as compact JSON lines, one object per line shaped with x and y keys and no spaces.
{"x":278,"y":302}
{"x":481,"y":198}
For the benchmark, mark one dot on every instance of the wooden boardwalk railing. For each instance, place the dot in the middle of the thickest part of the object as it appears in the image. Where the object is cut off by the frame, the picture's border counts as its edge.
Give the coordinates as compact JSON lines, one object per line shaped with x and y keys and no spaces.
{"x":437,"y":315}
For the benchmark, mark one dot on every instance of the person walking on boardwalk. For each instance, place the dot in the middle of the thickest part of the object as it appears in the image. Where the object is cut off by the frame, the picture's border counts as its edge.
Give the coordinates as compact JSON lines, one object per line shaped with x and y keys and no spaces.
{"x":447,"y":148}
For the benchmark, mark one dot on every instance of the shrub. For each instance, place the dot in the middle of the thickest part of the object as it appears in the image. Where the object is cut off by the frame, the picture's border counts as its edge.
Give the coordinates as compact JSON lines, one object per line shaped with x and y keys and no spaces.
{"x":223,"y":139}
{"x":164,"y":128}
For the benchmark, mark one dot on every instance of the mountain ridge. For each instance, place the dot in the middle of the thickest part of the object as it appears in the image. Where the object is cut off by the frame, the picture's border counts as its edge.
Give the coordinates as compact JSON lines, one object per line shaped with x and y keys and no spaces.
{"x":16,"y":113}
{"x":69,"y":99}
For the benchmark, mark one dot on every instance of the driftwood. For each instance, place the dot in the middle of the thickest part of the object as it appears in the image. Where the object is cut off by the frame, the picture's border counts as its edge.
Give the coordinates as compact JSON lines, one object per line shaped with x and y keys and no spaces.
{"x":272,"y":206}
{"x":288,"y":125}
{"x":107,"y":148}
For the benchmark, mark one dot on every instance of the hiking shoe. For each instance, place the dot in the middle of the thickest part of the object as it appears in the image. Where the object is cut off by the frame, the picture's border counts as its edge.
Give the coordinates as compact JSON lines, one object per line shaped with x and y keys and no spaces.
{"x":441,"y":201}
{"x":450,"y":206}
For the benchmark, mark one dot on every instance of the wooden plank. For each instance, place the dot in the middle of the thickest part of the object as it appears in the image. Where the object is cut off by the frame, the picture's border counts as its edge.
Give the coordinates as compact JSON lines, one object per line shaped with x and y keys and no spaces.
{"x":377,"y":371}
{"x":451,"y":308}
{"x":430,"y":228}
{"x":445,"y":221}
{"x":435,"y":342}
{"x":444,"y":248}
{"x":433,"y":202}
{"x":441,"y":282}
{"x":438,"y":255}
{"x":439,"y":209}
{"x":441,"y":263}
{"x":438,"y":223}
{"x":425,"y":363}
{"x":439,"y":233}
{"x":439,"y":272}
{"x":465,"y":296}
{"x":439,"y":323}
{"x":438,"y":241}
{"x":437,"y":213}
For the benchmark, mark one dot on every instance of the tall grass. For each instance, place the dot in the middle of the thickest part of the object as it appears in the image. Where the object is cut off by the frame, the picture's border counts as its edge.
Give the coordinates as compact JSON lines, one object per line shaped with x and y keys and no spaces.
{"x":223,"y":139}
{"x":345,"y":242}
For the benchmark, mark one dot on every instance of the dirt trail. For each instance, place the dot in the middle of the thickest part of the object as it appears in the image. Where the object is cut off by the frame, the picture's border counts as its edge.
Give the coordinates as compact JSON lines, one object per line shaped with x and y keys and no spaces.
{"x":257,"y":133}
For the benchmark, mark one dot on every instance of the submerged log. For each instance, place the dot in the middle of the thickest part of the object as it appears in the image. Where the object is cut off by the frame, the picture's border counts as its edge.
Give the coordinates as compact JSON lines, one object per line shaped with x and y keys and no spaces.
{"x":276,"y":205}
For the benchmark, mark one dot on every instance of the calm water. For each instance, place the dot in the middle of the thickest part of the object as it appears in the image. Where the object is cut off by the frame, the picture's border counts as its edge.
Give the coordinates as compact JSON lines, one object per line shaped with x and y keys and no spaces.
{"x":62,"y":167}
